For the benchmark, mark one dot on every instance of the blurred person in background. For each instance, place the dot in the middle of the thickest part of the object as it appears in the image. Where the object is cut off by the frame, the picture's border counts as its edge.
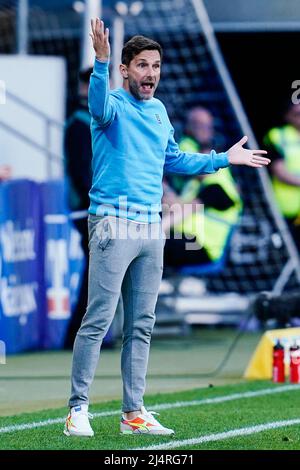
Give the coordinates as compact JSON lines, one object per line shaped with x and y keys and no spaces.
{"x":199,"y":136}
{"x":209,"y":230}
{"x":218,"y":192}
{"x":283,"y":144}
{"x":78,"y":167}
{"x":133,"y":143}
{"x":199,"y":131}
{"x":5,"y":172}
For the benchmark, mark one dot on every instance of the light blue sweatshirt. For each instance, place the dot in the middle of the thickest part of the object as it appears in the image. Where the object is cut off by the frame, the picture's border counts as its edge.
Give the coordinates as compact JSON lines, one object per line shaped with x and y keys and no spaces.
{"x":133,"y":145}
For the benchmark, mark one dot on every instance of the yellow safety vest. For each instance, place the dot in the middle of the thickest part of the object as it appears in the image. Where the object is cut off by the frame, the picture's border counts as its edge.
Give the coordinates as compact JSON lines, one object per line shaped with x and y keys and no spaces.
{"x":188,"y":144}
{"x":212,"y":227}
{"x":286,"y":140}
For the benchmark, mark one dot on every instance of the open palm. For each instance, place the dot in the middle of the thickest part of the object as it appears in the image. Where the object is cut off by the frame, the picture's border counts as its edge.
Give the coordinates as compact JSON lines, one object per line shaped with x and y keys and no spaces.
{"x":238,"y":155}
{"x":100,"y":38}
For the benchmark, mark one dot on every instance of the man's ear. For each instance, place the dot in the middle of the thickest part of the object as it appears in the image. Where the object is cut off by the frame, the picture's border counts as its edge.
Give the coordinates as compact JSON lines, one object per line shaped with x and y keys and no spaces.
{"x":123,"y":71}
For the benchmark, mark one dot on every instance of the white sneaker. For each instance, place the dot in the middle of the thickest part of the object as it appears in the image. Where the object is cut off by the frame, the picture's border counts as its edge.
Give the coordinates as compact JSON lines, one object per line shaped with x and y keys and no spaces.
{"x":144,"y":423}
{"x":77,"y":422}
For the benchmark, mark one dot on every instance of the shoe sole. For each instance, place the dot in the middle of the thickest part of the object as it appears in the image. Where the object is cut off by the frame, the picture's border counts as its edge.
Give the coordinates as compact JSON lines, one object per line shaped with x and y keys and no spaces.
{"x":147,"y":433}
{"x":67,"y":433}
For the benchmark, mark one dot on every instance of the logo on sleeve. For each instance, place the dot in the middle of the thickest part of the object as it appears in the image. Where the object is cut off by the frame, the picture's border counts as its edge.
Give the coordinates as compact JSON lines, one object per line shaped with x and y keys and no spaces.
{"x":158,"y":118}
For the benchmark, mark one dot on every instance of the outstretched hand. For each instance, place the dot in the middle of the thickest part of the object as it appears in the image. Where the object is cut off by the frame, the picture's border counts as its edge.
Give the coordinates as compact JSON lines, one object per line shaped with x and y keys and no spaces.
{"x":237,"y":155}
{"x":100,"y":38}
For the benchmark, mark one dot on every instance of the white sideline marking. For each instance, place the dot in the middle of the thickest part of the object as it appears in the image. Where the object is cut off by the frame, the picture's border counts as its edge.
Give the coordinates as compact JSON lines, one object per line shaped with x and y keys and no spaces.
{"x":222,"y":435}
{"x":48,"y":422}
{"x":162,"y":406}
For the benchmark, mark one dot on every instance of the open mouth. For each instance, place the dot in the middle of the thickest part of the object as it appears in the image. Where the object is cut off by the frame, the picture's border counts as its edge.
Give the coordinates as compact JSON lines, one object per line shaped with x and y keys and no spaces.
{"x":147,"y":86}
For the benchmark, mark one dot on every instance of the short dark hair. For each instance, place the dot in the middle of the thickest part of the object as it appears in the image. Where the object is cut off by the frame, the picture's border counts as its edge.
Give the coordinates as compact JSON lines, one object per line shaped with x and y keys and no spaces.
{"x":137,"y":44}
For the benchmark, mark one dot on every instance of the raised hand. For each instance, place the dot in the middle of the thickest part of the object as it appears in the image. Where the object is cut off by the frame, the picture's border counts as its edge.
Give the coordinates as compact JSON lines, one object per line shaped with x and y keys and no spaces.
{"x":237,"y":155}
{"x":100,"y":40}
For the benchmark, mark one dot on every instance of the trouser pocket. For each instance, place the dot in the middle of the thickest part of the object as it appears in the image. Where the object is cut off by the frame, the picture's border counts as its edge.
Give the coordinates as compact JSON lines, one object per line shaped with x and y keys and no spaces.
{"x":103,"y":232}
{"x":100,"y":232}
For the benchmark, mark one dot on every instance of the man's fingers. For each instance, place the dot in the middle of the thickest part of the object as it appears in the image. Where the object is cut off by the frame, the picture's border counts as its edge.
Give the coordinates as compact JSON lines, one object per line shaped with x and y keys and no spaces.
{"x":98,"y":32}
{"x":264,"y":160}
{"x":100,"y":26}
{"x":97,"y":26}
{"x":243,"y":140}
{"x":259,"y":152}
{"x":256,"y":165}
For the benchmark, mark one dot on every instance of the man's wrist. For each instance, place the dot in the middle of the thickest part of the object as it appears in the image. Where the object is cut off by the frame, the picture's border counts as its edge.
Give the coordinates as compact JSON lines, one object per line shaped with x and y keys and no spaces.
{"x":102,"y":59}
{"x":221,"y":160}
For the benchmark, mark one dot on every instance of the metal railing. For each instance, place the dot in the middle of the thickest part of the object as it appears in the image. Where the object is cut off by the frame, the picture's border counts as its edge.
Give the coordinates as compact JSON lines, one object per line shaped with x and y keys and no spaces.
{"x":49,"y":124}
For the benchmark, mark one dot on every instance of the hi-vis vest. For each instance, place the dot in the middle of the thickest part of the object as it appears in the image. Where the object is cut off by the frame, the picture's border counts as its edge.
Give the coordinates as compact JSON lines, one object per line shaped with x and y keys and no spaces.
{"x":188,"y":144}
{"x":212,"y":227}
{"x":286,"y":140}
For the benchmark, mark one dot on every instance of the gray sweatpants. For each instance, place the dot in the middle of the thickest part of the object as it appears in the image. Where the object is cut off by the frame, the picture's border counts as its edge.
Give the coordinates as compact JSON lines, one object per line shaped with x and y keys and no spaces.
{"x":124,"y":256}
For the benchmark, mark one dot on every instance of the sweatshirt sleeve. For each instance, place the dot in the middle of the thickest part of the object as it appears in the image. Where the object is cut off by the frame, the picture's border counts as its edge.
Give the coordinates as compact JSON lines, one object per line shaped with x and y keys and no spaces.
{"x":192,"y":163}
{"x":101,"y":104}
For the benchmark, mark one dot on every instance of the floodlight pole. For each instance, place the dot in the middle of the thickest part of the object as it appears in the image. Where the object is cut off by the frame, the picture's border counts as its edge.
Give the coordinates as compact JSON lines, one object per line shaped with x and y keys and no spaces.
{"x":22,"y":27}
{"x":93,"y":9}
{"x":117,"y":45}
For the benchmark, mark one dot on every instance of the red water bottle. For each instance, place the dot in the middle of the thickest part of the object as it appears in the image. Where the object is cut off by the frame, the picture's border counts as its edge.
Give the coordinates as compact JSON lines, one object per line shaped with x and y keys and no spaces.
{"x":295,"y":364}
{"x":278,"y":362}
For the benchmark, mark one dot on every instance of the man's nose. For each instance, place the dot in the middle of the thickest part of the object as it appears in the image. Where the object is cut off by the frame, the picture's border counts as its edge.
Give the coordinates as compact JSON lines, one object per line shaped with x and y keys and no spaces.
{"x":151,"y":72}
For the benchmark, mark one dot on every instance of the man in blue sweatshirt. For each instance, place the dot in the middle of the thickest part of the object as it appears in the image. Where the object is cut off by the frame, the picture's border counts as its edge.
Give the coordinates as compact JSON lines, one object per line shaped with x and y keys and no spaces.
{"x":133,"y":144}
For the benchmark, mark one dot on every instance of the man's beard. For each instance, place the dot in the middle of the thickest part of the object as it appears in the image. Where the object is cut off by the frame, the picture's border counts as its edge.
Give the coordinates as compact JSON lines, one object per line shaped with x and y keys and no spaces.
{"x":134,"y":90}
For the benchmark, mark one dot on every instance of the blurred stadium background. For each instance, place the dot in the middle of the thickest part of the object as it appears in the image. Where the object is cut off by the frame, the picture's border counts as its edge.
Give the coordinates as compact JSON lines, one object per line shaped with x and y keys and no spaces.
{"x":43,"y":46}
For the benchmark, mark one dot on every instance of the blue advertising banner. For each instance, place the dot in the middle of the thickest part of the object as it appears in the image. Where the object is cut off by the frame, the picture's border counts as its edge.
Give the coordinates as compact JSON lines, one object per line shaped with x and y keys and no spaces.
{"x":21,"y":273}
{"x":41,"y":265}
{"x":76,"y":264}
{"x":57,"y":273}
